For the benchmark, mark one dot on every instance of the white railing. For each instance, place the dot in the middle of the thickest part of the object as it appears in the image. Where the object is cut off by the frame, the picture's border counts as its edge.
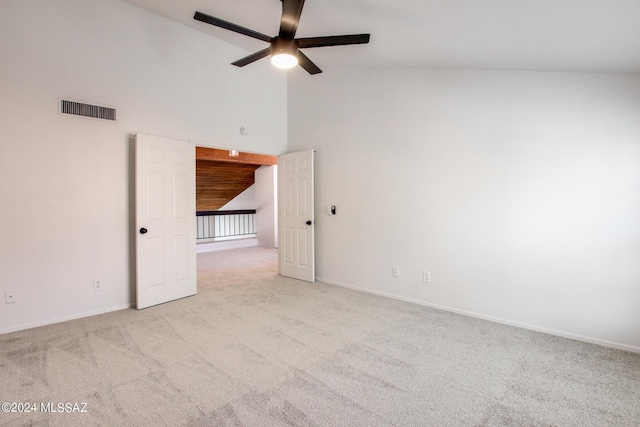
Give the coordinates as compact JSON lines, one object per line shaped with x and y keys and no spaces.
{"x":225,"y":225}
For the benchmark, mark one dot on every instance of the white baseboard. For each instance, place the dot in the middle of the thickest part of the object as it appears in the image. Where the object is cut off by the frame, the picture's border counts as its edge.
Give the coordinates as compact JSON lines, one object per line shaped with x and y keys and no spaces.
{"x":562,"y":334}
{"x":64,"y":319}
{"x":226,"y":244}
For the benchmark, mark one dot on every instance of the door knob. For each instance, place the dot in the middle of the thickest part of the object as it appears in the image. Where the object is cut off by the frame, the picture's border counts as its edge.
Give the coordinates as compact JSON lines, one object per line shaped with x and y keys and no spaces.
{"x":143,"y":230}
{"x":309,"y":222}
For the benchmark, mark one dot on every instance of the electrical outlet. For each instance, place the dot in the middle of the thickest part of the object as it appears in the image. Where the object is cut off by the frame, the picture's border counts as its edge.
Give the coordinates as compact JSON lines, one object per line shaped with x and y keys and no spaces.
{"x":426,"y":276}
{"x":9,"y":297}
{"x":395,"y":271}
{"x":97,"y":285}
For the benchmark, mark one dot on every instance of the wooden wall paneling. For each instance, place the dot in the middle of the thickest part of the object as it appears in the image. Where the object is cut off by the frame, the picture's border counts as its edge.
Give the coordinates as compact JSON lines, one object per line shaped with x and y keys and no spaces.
{"x":218,"y":182}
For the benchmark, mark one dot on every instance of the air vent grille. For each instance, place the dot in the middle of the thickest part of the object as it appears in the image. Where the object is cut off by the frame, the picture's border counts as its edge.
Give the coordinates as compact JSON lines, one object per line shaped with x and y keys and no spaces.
{"x":87,"y":110}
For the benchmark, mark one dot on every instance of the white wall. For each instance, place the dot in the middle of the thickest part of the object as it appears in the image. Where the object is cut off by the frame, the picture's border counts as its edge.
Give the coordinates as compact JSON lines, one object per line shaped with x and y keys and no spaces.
{"x":267,"y":206}
{"x":518,"y":191}
{"x":67,"y":203}
{"x":243,"y":201}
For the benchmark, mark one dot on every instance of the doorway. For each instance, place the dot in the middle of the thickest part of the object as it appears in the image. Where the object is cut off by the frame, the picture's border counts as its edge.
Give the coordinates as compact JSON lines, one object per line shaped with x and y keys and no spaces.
{"x":236,"y":199}
{"x":165,"y":194}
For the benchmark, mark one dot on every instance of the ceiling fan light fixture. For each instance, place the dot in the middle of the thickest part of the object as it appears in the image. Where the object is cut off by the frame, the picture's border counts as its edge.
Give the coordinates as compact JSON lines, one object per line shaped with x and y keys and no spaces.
{"x":284,"y":53}
{"x":284,"y":60}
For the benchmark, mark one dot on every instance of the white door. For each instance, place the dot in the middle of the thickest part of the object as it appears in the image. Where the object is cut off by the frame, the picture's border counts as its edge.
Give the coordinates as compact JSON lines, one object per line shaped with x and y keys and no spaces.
{"x":296,"y":218}
{"x":165,"y":220}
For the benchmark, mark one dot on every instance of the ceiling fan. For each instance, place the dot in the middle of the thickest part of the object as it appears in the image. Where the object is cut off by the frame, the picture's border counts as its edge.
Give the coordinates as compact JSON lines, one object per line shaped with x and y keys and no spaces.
{"x":285,"y":48}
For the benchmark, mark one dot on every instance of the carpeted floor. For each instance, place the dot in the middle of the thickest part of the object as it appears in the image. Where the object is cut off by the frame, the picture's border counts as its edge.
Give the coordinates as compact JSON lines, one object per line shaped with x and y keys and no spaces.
{"x":256,"y":349}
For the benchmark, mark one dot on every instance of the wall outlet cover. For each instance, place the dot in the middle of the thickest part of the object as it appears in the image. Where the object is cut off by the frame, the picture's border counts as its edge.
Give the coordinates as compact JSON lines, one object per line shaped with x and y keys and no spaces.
{"x":9,"y":297}
{"x":426,"y":276}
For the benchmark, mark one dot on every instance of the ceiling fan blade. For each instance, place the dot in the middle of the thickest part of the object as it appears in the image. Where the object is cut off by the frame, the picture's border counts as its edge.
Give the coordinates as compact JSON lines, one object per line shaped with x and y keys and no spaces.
{"x":291,"y":11}
{"x":306,"y":63}
{"x":334,"y":40}
{"x":252,"y":58}
{"x":230,"y":26}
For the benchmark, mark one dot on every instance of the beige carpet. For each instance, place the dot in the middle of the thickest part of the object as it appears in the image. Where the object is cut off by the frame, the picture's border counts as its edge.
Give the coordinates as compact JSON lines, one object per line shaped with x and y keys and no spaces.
{"x":256,"y":349}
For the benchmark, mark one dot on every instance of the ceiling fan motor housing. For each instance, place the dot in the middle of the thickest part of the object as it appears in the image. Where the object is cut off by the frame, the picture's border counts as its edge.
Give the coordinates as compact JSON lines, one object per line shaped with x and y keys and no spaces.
{"x":284,"y":46}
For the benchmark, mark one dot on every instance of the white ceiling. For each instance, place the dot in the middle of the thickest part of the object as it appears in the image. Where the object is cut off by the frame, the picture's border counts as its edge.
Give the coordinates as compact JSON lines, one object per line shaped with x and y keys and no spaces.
{"x":541,"y":35}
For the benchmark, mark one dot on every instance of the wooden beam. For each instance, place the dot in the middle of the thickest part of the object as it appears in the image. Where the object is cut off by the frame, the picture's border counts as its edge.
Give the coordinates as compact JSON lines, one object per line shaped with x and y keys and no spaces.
{"x":203,"y":153}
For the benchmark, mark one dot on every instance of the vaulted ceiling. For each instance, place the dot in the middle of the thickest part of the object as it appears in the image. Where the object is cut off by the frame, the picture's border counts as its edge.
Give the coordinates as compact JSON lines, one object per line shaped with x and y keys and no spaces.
{"x":539,"y":35}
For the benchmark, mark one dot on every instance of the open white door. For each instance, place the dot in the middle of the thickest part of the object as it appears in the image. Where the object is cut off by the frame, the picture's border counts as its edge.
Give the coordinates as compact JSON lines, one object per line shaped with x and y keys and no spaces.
{"x":296,"y":216}
{"x":165,"y":220}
